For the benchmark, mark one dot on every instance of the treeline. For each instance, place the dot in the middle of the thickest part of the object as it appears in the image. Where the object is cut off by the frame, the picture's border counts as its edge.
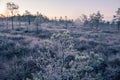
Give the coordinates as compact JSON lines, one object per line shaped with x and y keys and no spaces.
{"x":24,"y":18}
{"x":31,"y":18}
{"x":93,"y":20}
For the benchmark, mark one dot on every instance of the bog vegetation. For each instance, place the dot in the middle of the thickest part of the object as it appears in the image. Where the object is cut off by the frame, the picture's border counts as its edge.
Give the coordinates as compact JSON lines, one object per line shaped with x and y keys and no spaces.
{"x":34,"y":47}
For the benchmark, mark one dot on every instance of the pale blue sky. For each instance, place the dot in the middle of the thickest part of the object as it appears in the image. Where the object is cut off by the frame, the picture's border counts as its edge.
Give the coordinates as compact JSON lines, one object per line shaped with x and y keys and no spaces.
{"x":70,"y":8}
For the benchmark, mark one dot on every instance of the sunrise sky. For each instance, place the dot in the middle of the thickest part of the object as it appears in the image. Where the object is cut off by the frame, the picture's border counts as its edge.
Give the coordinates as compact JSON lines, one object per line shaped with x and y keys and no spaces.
{"x":70,"y":8}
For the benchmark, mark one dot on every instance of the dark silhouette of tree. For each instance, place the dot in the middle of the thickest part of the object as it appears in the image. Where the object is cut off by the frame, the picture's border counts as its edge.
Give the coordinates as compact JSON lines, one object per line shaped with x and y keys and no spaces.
{"x":117,"y":18}
{"x":66,"y":22}
{"x":61,"y":19}
{"x":28,"y":15}
{"x":2,"y":20}
{"x":38,"y":20}
{"x":19,"y":19}
{"x":84,"y":19}
{"x":95,"y":19}
{"x":55,"y":20}
{"x":12,"y":7}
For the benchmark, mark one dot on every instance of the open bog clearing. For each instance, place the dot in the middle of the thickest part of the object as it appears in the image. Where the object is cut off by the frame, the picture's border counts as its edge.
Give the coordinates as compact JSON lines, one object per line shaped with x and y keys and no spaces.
{"x":28,"y":54}
{"x":59,"y":40}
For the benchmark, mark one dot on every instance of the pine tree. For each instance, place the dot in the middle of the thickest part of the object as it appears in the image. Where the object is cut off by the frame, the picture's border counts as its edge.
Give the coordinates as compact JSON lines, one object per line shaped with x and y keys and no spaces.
{"x":117,"y":18}
{"x":12,"y":7}
{"x":38,"y":20}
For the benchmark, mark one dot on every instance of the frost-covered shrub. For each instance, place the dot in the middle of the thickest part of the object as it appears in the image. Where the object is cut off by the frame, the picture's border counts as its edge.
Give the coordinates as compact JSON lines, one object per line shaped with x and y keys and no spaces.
{"x":68,"y":63}
{"x":44,"y":34}
{"x":9,"y":49}
{"x":36,"y":56}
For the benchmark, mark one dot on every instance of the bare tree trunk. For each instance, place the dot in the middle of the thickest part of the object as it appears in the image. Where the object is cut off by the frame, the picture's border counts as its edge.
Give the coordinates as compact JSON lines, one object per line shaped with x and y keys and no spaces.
{"x":12,"y":23}
{"x":7,"y":22}
{"x":29,"y":22}
{"x":19,"y":19}
{"x":12,"y":20}
{"x":118,"y":25}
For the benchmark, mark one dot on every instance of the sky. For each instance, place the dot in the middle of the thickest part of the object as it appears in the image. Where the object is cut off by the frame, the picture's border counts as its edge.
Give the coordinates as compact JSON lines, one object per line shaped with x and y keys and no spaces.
{"x":71,"y":8}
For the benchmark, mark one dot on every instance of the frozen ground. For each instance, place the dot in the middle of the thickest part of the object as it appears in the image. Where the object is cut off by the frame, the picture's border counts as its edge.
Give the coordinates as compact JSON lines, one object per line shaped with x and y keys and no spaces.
{"x":27,"y":54}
